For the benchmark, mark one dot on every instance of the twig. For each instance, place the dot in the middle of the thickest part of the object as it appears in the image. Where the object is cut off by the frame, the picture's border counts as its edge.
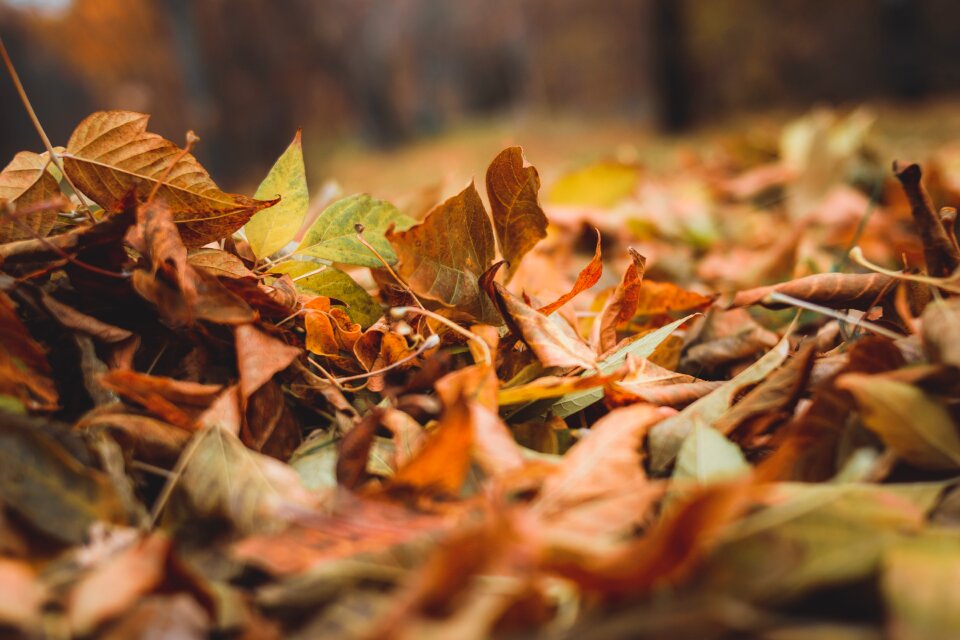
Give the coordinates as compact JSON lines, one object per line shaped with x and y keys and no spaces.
{"x":359,"y":229}
{"x":36,"y":124}
{"x":429,"y":343}
{"x":399,"y":312}
{"x":803,"y":304}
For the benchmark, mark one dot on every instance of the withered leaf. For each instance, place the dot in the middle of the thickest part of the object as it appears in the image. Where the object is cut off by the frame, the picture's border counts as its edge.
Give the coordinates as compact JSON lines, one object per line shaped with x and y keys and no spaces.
{"x":914,"y":425}
{"x":259,"y":357}
{"x":26,"y":184}
{"x":587,"y":277}
{"x":551,"y":339}
{"x":771,"y":401}
{"x":622,"y":303}
{"x":518,"y":220}
{"x":222,"y":478}
{"x":667,"y":437}
{"x":443,"y":257}
{"x":941,"y":255}
{"x":111,"y":153}
{"x":834,"y":290}
{"x":49,"y":487}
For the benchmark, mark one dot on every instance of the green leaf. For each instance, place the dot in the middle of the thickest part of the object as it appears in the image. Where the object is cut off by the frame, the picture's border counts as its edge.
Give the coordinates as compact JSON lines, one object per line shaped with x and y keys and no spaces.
{"x":271,"y":229}
{"x":642,"y":347}
{"x":707,"y":456}
{"x":333,"y":283}
{"x":333,"y":235}
{"x":915,"y":426}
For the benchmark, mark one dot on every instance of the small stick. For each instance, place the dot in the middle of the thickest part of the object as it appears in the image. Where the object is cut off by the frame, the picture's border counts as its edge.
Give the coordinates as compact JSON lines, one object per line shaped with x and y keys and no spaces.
{"x":359,"y":229}
{"x":36,"y":124}
{"x":399,"y":312}
{"x":803,"y":304}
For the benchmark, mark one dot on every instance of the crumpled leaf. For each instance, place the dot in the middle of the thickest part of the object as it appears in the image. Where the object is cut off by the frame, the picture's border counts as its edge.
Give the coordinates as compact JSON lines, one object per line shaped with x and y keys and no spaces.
{"x":621,"y":305}
{"x":642,"y":347}
{"x":24,"y":370}
{"x":111,"y":153}
{"x":667,"y":437}
{"x":915,"y":426}
{"x":24,"y":183}
{"x":834,"y":290}
{"x":552,"y":340}
{"x":270,"y":230}
{"x":587,"y":277}
{"x":443,"y":257}
{"x":518,"y":220}
{"x":940,"y":321}
{"x":219,"y":263}
{"x":333,"y":235}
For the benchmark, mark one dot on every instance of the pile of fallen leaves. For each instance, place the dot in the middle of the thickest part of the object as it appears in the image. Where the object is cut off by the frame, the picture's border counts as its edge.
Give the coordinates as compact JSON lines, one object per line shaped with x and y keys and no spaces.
{"x":273,"y":416}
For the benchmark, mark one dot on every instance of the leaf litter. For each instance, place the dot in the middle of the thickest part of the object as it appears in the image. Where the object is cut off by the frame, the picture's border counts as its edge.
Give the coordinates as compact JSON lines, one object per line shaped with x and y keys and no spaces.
{"x":228,"y":416}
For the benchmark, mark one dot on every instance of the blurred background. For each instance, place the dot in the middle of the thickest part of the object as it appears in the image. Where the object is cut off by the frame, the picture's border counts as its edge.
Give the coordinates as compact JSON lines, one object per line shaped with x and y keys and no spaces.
{"x":393,"y":94}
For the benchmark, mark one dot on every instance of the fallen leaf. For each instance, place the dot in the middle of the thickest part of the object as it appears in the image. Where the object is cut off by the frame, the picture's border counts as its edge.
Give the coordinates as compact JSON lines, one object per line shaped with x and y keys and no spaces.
{"x":334,"y":284}
{"x":260,"y":356}
{"x":333,"y":236}
{"x":667,"y":437}
{"x":518,"y":220}
{"x":939,"y":323}
{"x":443,"y":257}
{"x":600,"y":185}
{"x":114,"y":586}
{"x":707,"y":456}
{"x":22,"y":594}
{"x":914,"y":425}
{"x":271,"y":229}
{"x":25,"y":184}
{"x":110,"y":153}
{"x":621,"y":305}
{"x":553,"y":341}
{"x":219,"y":263}
{"x":834,"y":290}
{"x":600,"y":486}
{"x":587,"y":277}
{"x":222,"y":478}
{"x":49,"y":487}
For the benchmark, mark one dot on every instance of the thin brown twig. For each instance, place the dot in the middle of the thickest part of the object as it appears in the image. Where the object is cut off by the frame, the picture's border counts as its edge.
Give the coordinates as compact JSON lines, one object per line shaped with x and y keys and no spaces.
{"x":359,"y":229}
{"x":36,"y":124}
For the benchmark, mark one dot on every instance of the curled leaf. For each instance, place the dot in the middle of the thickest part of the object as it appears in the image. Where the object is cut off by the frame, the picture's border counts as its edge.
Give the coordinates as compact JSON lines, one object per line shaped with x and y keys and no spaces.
{"x":518,"y":220}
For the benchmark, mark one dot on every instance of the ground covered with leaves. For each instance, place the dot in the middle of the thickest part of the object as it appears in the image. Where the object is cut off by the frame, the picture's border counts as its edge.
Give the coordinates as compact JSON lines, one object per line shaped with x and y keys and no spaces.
{"x":715,"y":398}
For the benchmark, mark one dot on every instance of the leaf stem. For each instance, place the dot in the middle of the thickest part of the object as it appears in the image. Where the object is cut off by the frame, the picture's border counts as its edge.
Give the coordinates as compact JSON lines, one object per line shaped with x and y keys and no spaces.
{"x":359,"y":229}
{"x":398,"y":312}
{"x":36,"y":124}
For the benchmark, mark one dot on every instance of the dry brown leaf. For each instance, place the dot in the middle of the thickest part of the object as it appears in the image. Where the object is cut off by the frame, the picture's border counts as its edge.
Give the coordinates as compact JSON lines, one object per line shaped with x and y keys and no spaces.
{"x":834,"y":290}
{"x":111,"y":153}
{"x":621,"y":305}
{"x":443,"y":257}
{"x":518,"y":220}
{"x":25,"y":184}
{"x":587,"y":277}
